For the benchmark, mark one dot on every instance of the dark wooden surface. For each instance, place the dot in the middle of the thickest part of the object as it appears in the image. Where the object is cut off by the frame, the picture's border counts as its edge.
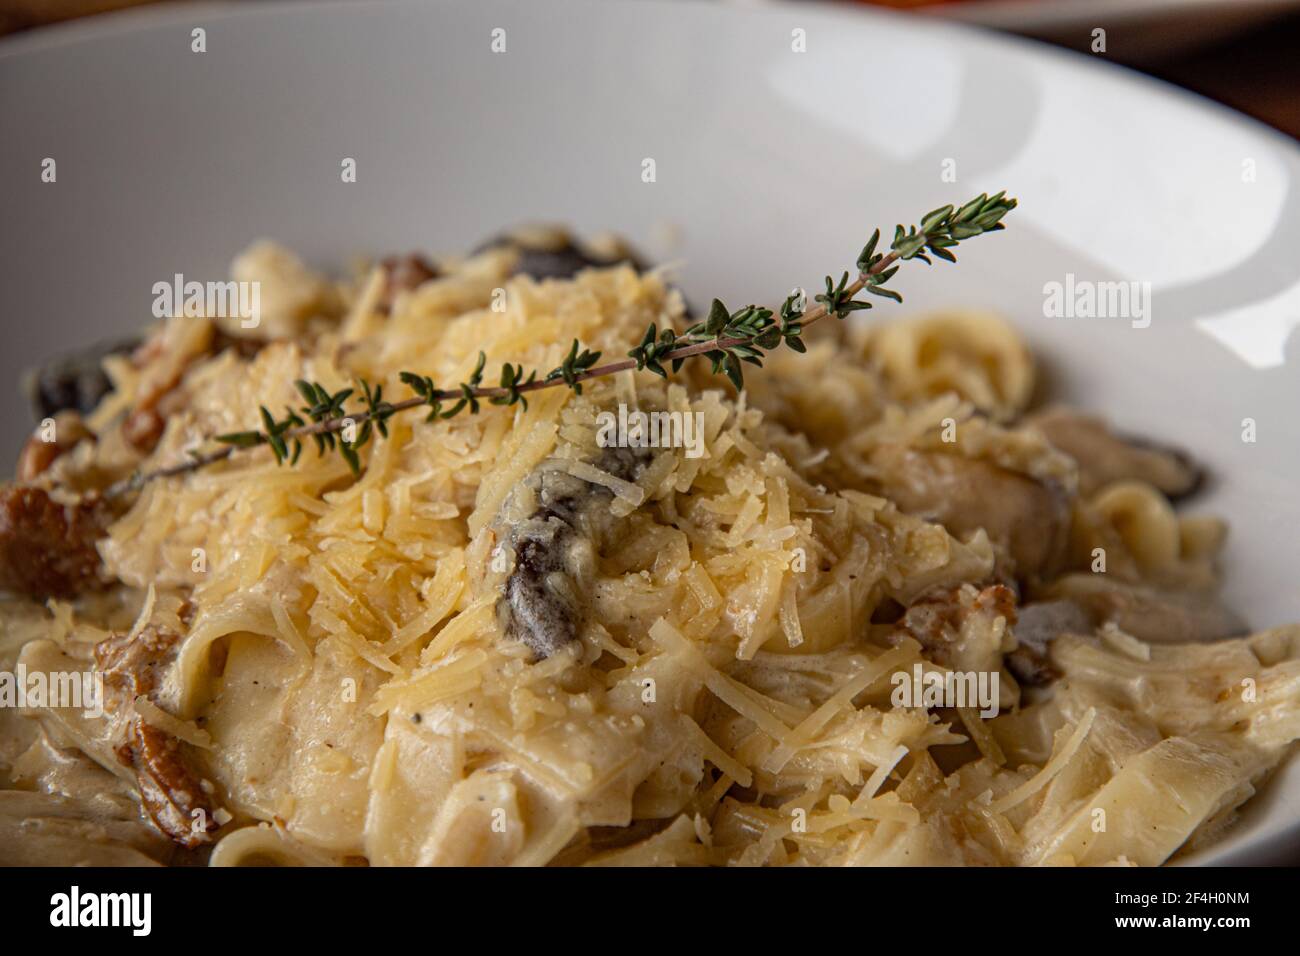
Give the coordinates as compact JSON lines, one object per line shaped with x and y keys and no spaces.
{"x":1256,"y":72}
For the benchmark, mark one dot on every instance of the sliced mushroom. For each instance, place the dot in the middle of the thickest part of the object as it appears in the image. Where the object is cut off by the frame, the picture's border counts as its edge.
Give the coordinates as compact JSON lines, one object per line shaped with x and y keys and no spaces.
{"x":245,"y":346}
{"x":550,"y":252}
{"x":1150,"y":614}
{"x":75,"y":380}
{"x":555,"y":551}
{"x":1039,"y":624}
{"x":1104,"y":457}
{"x":1029,"y":519}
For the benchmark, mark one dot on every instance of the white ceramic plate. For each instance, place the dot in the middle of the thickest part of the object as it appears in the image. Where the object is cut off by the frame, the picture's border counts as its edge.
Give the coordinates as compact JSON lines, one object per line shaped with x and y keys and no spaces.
{"x":772,"y":165}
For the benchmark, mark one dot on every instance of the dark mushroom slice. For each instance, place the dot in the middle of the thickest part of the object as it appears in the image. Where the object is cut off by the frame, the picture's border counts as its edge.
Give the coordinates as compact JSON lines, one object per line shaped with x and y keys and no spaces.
{"x":1038,"y":625}
{"x":74,"y":381}
{"x":1027,"y":518}
{"x":539,"y":608}
{"x":1154,"y":615}
{"x":555,"y":550}
{"x":1104,"y":457}
{"x":550,"y":252}
{"x":244,"y":346}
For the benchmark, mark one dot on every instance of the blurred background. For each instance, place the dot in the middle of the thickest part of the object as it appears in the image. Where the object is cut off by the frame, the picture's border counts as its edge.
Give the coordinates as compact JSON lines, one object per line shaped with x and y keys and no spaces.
{"x":1243,"y":53}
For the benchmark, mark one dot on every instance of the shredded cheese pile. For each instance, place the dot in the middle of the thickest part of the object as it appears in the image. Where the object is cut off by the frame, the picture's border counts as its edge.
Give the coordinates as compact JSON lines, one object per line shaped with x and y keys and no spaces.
{"x":348,"y":688}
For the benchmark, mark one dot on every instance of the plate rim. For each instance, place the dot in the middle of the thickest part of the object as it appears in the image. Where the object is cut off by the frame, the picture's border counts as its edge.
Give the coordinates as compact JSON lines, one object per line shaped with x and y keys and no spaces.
{"x":59,"y":37}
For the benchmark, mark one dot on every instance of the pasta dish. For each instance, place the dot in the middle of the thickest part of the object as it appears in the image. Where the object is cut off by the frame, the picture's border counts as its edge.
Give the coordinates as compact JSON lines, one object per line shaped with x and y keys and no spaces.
{"x":878,"y":607}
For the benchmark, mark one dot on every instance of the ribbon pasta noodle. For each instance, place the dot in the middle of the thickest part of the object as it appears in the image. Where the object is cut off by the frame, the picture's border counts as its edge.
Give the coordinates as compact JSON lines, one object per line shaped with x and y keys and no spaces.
{"x":509,"y":642}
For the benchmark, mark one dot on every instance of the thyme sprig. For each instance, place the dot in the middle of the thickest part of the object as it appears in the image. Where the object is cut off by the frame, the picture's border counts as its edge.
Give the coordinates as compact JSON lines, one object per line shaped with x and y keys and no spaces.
{"x":728,"y":339}
{"x":575,"y":367}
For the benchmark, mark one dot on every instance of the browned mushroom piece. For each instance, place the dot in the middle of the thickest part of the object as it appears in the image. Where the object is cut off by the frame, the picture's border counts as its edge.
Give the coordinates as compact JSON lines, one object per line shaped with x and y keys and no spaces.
{"x":172,"y":794}
{"x":164,"y":365}
{"x":142,"y":429}
{"x":145,"y":423}
{"x":1104,"y":457}
{"x":42,"y":449}
{"x":130,"y":663}
{"x":1151,"y":614}
{"x":403,"y":274}
{"x":47,"y":548}
{"x":936,"y":619}
{"x":1028,"y":518}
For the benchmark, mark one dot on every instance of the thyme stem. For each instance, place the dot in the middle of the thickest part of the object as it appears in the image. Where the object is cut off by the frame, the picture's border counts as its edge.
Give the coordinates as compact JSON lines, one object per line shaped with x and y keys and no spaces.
{"x":727,"y":338}
{"x":334,"y":425}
